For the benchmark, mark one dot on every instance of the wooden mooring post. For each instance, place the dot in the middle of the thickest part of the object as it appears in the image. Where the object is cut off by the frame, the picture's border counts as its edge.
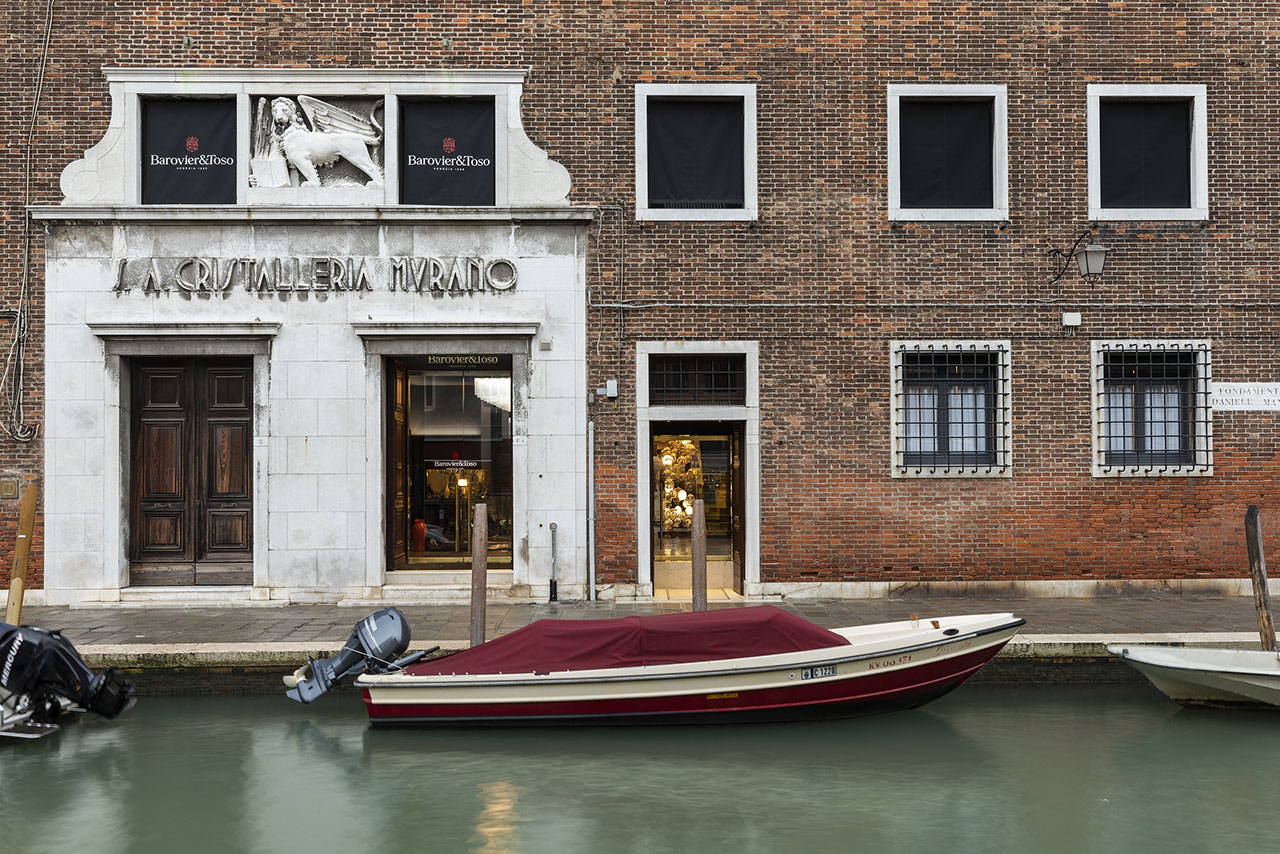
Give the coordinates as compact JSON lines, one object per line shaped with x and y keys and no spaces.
{"x":479,"y":571}
{"x":699,"y":537}
{"x":21,"y":556}
{"x":1258,"y":573}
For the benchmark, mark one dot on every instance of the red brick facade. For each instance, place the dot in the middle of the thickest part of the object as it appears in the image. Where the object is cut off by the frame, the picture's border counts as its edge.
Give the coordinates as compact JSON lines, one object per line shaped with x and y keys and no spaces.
{"x":823,"y":280}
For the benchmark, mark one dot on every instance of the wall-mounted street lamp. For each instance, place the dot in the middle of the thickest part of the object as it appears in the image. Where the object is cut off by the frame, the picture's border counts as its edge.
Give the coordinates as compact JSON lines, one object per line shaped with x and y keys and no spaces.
{"x":1090,"y":258}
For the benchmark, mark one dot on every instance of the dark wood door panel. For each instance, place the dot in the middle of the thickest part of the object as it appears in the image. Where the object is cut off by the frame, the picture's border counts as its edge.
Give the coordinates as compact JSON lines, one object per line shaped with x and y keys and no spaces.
{"x":228,"y":388}
{"x":227,"y":532}
{"x":162,"y":457}
{"x":227,"y":455}
{"x":162,"y":534}
{"x":191,"y":489}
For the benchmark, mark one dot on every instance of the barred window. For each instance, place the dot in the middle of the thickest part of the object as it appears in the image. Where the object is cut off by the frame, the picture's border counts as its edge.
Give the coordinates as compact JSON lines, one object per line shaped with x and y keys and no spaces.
{"x":951,"y":408}
{"x":1152,"y":408}
{"x":698,"y":380}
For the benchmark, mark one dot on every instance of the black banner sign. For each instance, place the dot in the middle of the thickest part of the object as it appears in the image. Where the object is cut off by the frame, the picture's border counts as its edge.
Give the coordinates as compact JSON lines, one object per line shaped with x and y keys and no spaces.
{"x":469,"y":361}
{"x":188,"y":152}
{"x":447,"y":150}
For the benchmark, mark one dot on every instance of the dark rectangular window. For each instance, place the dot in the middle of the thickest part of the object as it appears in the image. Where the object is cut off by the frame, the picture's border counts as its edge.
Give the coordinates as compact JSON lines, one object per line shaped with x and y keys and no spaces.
{"x":697,"y":380}
{"x":947,"y":408}
{"x":696,"y":153}
{"x":945,"y":153}
{"x":1145,"y":153}
{"x":447,"y":152}
{"x":1149,"y":407}
{"x":188,"y":152}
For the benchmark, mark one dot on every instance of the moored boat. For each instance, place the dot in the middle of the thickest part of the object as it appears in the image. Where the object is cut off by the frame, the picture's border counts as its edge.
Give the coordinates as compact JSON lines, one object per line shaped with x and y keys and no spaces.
{"x":733,"y":665}
{"x":1192,"y":676}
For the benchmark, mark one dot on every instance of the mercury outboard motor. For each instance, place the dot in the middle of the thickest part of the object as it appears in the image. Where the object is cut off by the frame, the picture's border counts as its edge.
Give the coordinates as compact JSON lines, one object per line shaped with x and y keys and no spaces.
{"x":41,"y":674}
{"x":372,"y":648}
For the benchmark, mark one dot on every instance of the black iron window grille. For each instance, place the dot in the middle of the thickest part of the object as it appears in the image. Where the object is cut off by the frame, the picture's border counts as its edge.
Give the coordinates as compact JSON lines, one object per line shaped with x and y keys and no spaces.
{"x":1153,"y":408}
{"x":698,"y":380}
{"x":951,"y":409}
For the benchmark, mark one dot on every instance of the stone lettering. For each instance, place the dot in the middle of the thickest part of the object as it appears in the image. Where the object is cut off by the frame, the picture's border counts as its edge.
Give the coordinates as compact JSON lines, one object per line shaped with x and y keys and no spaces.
{"x":1228,"y":397}
{"x":200,"y":275}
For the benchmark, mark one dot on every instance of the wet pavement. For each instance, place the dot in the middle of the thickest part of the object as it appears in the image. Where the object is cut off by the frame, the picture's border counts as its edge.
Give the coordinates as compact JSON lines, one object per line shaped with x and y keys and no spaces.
{"x":323,"y":624}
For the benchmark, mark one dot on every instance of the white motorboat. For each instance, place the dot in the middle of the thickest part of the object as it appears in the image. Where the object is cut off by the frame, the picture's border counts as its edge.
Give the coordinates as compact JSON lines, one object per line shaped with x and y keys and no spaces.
{"x":739,"y":664}
{"x":1209,"y":677}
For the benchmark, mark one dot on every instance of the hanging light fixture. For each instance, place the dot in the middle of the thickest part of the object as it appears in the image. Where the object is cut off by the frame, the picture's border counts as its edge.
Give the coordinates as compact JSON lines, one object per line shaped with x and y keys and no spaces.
{"x":1090,"y":258}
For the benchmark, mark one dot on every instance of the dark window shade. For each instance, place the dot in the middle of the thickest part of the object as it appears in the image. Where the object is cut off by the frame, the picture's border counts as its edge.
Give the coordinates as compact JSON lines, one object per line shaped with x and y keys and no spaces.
{"x":1145,"y":154}
{"x":447,"y":152}
{"x":188,"y":152}
{"x":945,"y":157}
{"x":695,"y":154}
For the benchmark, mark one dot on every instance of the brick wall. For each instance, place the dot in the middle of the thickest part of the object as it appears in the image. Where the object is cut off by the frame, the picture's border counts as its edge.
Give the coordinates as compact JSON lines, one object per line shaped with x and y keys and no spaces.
{"x":823,"y":280}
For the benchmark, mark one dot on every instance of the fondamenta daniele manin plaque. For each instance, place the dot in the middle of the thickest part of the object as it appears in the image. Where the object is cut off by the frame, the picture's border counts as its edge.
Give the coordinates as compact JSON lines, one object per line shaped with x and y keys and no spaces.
{"x":1246,"y":396}
{"x":294,"y":274}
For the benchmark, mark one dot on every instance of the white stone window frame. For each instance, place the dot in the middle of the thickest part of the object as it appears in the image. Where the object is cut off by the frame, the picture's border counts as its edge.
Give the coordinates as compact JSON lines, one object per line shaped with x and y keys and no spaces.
{"x":748,"y":413}
{"x":1202,"y":415}
{"x":997,"y":94}
{"x":110,"y":172}
{"x":1003,"y":406}
{"x":720,"y":91}
{"x":1199,"y":153}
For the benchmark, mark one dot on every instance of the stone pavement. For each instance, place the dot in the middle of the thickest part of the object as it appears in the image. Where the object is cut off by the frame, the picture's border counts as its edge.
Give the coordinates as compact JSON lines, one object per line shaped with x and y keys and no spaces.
{"x":322,"y":624}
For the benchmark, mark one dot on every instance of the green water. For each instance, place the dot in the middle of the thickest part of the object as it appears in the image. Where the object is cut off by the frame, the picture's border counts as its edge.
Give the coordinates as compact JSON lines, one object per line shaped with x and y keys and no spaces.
{"x":1080,"y":769}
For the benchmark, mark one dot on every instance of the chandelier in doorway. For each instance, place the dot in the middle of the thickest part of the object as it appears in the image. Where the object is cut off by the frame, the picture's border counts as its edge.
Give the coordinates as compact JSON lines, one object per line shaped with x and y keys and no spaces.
{"x":680,"y":478}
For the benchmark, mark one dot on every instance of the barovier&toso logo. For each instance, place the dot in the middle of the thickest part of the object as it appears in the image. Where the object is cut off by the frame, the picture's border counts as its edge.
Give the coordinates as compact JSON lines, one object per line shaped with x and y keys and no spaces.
{"x":457,"y":162}
{"x":193,"y":144}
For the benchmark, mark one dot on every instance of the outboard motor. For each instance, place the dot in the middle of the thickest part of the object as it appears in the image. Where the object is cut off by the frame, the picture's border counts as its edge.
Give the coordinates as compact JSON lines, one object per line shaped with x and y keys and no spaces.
{"x":41,"y":674}
{"x":372,"y":648}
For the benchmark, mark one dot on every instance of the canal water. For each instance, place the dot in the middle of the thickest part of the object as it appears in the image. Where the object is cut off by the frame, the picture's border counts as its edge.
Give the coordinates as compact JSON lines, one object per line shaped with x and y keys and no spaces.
{"x":986,"y":769}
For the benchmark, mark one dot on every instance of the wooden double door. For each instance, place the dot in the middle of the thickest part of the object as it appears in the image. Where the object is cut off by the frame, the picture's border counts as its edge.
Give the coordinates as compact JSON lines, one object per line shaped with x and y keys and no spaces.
{"x":191,"y":493}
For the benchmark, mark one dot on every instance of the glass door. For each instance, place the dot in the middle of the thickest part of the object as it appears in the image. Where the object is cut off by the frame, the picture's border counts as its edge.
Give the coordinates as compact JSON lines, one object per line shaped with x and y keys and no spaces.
{"x":455,"y":441}
{"x":693,"y":460}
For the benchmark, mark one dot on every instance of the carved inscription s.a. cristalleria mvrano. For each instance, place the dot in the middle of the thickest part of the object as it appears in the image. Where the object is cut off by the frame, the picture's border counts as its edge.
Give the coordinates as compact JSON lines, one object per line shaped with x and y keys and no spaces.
{"x":288,"y":275}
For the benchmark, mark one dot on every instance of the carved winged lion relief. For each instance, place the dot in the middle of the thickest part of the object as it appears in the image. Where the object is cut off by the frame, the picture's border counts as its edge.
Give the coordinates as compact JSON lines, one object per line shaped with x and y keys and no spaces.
{"x":308,"y":134}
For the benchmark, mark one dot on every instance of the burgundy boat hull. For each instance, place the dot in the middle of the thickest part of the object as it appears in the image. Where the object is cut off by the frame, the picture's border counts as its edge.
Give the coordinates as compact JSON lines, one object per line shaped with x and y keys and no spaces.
{"x":871,"y":693}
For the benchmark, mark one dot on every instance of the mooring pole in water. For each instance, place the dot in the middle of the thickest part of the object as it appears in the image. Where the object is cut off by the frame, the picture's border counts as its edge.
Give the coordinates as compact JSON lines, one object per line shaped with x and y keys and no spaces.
{"x":21,"y":556}
{"x":1258,"y":572}
{"x":479,"y":571}
{"x":699,"y":555}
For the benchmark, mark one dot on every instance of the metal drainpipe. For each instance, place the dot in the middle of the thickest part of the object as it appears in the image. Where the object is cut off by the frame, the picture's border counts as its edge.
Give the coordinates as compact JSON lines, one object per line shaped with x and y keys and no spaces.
{"x":553,"y":561}
{"x":591,"y":510}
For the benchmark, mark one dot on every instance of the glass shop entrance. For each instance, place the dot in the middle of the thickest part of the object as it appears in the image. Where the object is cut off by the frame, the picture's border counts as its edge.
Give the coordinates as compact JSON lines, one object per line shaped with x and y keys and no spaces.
{"x":693,"y":460}
{"x":449,"y":449}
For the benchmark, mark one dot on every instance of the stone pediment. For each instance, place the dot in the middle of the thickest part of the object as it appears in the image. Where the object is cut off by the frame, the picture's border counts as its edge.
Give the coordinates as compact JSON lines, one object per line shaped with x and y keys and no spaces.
{"x":310,"y":137}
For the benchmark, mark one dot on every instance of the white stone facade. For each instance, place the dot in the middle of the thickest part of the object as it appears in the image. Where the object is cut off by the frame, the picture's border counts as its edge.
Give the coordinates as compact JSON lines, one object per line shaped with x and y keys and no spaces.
{"x":318,"y":355}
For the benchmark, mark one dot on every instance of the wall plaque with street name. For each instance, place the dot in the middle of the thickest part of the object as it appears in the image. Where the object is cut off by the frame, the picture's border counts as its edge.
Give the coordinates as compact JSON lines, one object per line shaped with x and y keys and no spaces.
{"x":1246,"y":396}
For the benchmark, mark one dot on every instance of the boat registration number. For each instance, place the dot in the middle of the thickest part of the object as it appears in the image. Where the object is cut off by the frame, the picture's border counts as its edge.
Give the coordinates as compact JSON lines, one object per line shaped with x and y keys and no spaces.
{"x":818,"y":672}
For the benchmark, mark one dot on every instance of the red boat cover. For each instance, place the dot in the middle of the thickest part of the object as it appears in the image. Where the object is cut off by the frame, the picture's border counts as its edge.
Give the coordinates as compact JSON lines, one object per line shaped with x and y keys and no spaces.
{"x":554,"y":645}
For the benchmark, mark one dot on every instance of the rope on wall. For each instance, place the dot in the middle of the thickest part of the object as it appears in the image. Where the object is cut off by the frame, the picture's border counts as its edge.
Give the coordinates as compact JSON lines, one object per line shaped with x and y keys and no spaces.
{"x":15,"y":362}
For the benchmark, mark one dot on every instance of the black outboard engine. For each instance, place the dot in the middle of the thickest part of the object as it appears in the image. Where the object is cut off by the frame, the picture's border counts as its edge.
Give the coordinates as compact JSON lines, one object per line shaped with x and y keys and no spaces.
{"x":41,"y":674}
{"x":372,"y":648}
